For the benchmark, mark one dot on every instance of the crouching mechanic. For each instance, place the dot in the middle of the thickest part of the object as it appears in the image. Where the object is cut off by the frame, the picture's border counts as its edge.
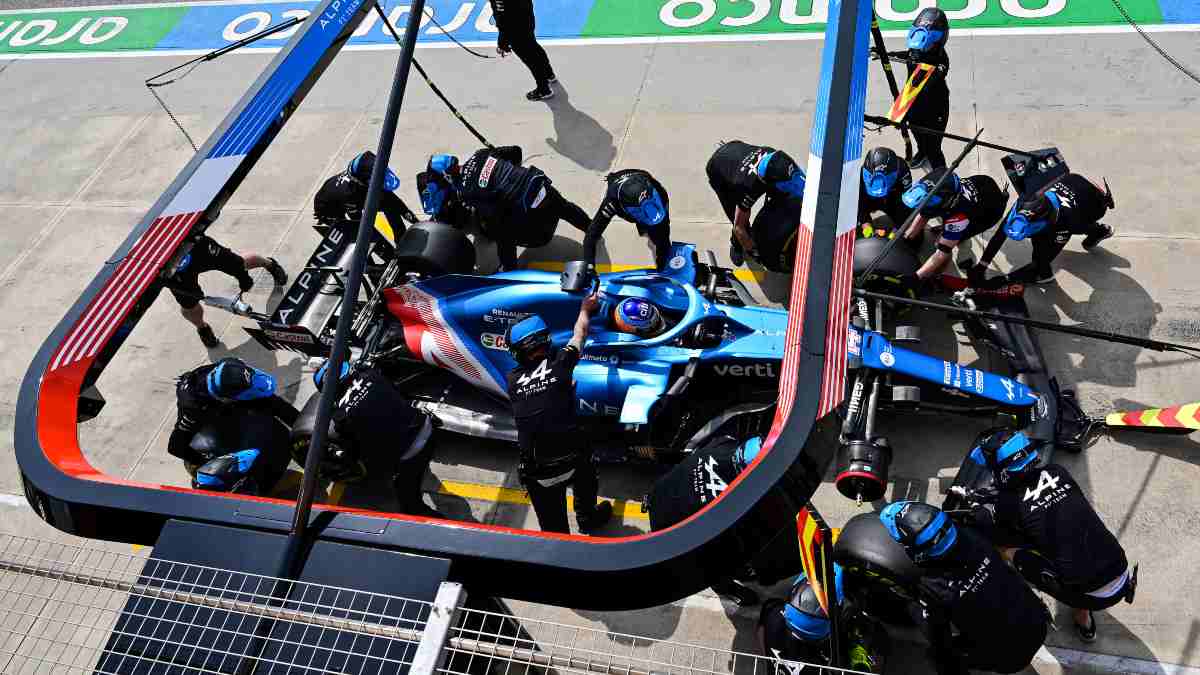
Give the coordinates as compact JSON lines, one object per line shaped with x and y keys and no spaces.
{"x":1072,"y":206}
{"x":1059,"y":543}
{"x":206,"y":255}
{"x":554,"y":454}
{"x":339,"y":203}
{"x":967,"y":207}
{"x":1001,"y":623}
{"x":885,"y":179}
{"x":636,"y":197}
{"x":515,"y":205}
{"x":216,"y":403}
{"x":740,"y":173}
{"x":694,"y":483}
{"x":372,"y":418}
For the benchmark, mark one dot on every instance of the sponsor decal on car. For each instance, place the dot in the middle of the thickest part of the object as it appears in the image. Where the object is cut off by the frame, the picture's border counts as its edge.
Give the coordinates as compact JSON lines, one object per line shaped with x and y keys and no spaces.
{"x":887,"y":359}
{"x":751,"y":370}
{"x":285,"y":336}
{"x":493,"y":341}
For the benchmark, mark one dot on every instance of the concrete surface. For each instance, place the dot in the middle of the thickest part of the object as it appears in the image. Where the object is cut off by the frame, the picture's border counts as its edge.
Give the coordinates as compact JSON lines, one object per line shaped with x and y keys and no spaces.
{"x":88,"y":150}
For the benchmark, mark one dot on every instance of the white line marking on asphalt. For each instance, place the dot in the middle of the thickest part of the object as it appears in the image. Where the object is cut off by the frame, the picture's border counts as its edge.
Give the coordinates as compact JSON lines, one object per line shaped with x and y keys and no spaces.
{"x":1071,"y":658}
{"x":12,"y":500}
{"x":643,"y":40}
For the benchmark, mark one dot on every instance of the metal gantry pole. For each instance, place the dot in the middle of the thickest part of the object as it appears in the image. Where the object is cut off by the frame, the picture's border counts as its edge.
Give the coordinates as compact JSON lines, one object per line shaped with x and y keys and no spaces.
{"x":383,"y":153}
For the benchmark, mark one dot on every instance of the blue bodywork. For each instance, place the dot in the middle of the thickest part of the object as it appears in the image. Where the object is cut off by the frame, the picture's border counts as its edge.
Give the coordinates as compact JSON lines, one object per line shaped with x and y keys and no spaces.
{"x":458,"y":322}
{"x":879,"y":354}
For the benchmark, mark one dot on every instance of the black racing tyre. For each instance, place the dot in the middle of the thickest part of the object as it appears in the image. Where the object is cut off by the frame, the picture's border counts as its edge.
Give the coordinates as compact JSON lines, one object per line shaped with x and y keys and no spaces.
{"x":865,"y":546}
{"x":306,"y":423}
{"x":434,"y":249}
{"x":898,"y":261}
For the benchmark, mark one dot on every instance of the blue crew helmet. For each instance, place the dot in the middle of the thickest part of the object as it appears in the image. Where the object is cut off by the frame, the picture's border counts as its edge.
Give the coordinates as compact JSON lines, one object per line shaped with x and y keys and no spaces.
{"x":925,"y":531}
{"x":232,"y":380}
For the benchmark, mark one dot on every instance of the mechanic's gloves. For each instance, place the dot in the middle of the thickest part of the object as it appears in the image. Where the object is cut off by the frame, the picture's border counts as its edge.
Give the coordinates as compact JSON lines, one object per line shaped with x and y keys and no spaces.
{"x":245,"y":282}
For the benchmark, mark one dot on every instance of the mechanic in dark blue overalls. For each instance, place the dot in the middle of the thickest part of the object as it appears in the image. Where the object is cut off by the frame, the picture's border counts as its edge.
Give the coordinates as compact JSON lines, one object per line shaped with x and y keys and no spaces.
{"x":1058,"y":541}
{"x":339,"y":202}
{"x":636,"y":197}
{"x":965,"y":583}
{"x":740,"y":173}
{"x":885,"y":179}
{"x":967,"y":206}
{"x":212,"y":395}
{"x":1074,"y":205}
{"x":554,"y":454}
{"x":515,"y":205}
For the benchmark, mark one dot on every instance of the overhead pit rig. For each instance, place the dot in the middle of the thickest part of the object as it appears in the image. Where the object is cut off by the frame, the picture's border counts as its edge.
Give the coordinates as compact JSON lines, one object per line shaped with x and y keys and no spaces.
{"x":282,"y":538}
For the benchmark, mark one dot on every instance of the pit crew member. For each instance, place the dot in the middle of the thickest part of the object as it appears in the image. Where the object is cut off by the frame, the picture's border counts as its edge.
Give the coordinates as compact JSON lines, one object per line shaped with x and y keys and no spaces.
{"x":739,"y":174}
{"x":1072,"y":206}
{"x":554,"y":455}
{"x":694,"y":483}
{"x":885,"y":179}
{"x":927,"y":39}
{"x":1058,"y":541}
{"x":207,"y":255}
{"x":209,"y":394}
{"x":1001,"y":623}
{"x":515,"y":205}
{"x":637,"y":197}
{"x":339,"y":203}
{"x":967,"y":207}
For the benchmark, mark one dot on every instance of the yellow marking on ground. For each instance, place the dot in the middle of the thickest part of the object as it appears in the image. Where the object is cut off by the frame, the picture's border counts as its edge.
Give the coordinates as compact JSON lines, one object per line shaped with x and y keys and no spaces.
{"x":336,"y":491}
{"x":492,"y":493}
{"x":604,"y":268}
{"x":384,"y":227}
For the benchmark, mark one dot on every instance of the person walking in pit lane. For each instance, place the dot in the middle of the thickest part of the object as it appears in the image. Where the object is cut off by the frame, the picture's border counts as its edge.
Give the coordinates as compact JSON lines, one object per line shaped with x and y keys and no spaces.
{"x":739,"y":174}
{"x":515,"y":24}
{"x":636,"y":197}
{"x":206,"y":255}
{"x":1048,"y":530}
{"x":554,"y":454}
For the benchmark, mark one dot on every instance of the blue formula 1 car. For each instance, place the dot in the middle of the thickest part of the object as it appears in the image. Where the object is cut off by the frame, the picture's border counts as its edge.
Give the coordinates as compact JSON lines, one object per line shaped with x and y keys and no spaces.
{"x":437,"y":330}
{"x":438,"y":333}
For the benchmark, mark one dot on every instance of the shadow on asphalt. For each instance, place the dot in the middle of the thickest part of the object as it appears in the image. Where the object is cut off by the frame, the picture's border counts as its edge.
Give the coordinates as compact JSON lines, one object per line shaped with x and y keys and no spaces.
{"x":579,"y":137}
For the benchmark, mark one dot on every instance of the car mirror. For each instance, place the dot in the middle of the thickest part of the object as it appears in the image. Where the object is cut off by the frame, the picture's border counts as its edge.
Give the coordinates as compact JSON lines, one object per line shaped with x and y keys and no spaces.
{"x":576,"y":276}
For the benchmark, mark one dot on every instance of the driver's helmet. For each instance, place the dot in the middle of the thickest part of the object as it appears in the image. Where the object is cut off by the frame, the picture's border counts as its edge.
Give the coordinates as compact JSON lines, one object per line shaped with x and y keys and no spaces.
{"x":361,"y":166}
{"x":526,"y":338}
{"x":640,"y":200}
{"x":229,"y":473}
{"x":780,"y":171}
{"x":638,"y":317}
{"x":232,"y":380}
{"x":1031,"y":216}
{"x":1009,"y":454}
{"x":925,"y":531}
{"x":747,"y":452}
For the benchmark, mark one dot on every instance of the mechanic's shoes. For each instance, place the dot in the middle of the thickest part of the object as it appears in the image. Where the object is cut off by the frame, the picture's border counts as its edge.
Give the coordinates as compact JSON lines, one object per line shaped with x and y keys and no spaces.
{"x":542,"y":93}
{"x":1087,"y":633}
{"x":1095,"y":238}
{"x":208,"y":337}
{"x":600,"y":516}
{"x":919,"y":160}
{"x":736,"y":256}
{"x":277,"y":272}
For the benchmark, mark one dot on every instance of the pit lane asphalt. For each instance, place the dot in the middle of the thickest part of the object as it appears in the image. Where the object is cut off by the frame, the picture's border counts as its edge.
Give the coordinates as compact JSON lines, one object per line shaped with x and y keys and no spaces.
{"x":87,"y":152}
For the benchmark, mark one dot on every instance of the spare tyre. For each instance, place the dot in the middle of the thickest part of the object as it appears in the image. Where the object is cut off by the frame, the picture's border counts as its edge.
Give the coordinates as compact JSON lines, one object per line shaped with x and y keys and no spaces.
{"x":865,"y":544}
{"x":900,"y":260}
{"x":434,"y":249}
